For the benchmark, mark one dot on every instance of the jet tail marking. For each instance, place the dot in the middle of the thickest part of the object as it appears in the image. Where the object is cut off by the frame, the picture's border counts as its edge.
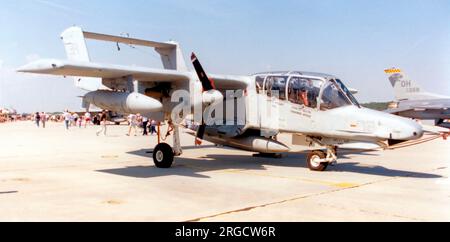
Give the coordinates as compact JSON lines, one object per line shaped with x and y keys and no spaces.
{"x":407,"y":89}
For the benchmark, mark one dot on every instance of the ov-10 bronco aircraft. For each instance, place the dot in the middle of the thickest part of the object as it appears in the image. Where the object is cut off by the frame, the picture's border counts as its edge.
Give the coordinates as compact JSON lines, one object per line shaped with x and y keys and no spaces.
{"x":317,"y":109}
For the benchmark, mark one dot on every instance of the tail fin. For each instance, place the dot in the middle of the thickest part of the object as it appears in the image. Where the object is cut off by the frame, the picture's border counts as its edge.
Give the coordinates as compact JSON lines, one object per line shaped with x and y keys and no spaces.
{"x":172,"y":58}
{"x":76,"y":50}
{"x":404,"y":88}
{"x":75,"y":44}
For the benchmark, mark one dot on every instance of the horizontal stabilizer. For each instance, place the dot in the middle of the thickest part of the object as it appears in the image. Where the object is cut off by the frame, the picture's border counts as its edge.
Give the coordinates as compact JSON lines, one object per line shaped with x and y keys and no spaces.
{"x":128,"y":41}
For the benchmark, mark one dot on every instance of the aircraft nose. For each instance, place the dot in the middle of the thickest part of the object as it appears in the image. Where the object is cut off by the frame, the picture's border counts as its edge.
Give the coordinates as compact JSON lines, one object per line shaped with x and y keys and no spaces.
{"x":411,"y":130}
{"x":393,"y":127}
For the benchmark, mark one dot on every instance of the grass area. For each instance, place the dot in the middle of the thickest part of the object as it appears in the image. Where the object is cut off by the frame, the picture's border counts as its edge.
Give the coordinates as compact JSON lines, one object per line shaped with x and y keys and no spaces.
{"x":377,"y":106}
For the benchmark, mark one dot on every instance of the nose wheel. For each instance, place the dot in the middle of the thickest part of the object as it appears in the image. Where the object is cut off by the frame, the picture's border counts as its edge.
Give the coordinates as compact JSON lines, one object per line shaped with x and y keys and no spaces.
{"x":163,"y":156}
{"x":319,"y":160}
{"x":315,"y":161}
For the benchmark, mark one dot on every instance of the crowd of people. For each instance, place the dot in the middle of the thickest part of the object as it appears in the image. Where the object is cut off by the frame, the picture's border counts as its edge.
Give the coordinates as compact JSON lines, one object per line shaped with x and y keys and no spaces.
{"x":10,"y":118}
{"x":70,"y":119}
{"x":137,"y":123}
{"x":9,"y":115}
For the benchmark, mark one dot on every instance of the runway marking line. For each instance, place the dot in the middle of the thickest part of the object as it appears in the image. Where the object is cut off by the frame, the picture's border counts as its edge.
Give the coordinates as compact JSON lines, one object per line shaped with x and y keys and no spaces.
{"x":243,"y":171}
{"x":322,"y":182}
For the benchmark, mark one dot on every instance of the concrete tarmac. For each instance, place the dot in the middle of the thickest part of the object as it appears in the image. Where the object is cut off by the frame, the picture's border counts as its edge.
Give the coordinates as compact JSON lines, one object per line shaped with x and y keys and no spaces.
{"x":56,"y":175}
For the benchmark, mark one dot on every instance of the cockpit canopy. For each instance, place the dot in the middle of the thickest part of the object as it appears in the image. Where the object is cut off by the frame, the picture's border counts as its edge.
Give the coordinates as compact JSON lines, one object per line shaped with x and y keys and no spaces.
{"x":311,"y":90}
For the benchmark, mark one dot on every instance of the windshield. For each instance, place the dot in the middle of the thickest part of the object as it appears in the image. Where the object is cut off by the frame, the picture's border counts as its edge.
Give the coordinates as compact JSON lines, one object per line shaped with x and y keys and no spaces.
{"x":333,"y":97}
{"x":349,"y":94}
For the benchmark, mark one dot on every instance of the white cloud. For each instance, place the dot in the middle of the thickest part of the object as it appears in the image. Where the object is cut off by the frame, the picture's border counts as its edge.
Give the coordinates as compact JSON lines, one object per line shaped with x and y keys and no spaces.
{"x":1,"y":63}
{"x":32,"y":57}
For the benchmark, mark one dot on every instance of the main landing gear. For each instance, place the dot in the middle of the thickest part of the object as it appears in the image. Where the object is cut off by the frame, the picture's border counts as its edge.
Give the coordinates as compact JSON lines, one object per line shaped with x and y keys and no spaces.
{"x":163,"y":154}
{"x":318,"y":160}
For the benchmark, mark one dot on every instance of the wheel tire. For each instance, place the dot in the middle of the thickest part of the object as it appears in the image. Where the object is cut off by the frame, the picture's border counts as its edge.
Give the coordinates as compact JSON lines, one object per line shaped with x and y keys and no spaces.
{"x":315,"y":166}
{"x":163,"y":156}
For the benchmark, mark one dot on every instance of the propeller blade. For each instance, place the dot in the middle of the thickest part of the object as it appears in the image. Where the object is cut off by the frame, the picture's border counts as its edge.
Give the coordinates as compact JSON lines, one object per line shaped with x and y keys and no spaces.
{"x":207,"y":83}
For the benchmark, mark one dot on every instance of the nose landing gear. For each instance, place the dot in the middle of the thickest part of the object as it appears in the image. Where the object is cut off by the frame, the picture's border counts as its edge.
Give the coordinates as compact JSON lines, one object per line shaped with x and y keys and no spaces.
{"x":318,"y":160}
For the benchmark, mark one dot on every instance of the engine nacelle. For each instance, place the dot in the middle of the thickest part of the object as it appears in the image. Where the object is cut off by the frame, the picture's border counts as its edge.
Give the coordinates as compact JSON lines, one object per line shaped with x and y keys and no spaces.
{"x":123,"y":102}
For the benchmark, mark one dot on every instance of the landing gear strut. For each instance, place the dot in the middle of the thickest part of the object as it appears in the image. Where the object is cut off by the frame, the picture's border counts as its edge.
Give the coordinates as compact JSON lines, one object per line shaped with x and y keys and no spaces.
{"x":318,"y":160}
{"x":163,"y":154}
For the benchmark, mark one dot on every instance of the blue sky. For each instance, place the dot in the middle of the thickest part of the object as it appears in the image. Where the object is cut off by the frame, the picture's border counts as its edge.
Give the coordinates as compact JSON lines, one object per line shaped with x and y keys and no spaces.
{"x":353,"y":39}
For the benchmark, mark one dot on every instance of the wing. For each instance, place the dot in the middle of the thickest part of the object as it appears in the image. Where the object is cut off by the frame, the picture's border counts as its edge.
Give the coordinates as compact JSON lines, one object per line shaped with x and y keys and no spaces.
{"x":398,"y":110}
{"x":108,"y":71}
{"x":105,"y":71}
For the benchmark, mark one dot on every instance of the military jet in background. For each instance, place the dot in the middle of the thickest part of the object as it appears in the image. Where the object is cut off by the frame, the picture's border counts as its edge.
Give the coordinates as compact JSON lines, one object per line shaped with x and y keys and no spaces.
{"x":318,"y":110}
{"x":413,"y":102}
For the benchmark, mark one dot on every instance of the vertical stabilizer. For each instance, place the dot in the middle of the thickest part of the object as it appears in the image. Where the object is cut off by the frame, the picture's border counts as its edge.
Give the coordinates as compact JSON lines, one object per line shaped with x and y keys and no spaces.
{"x":407,"y":89}
{"x":75,"y":44}
{"x":172,"y":58}
{"x":404,"y":88}
{"x":76,"y":50}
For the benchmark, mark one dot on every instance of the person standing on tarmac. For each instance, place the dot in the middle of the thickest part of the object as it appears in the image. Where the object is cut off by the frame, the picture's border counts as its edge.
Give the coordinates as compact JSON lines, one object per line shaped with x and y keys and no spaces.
{"x":87,"y":119}
{"x":103,"y":123}
{"x":67,"y":116}
{"x":145,"y":125}
{"x":153,"y":130}
{"x":133,"y":123}
{"x":43,"y":119}
{"x":37,"y":119}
